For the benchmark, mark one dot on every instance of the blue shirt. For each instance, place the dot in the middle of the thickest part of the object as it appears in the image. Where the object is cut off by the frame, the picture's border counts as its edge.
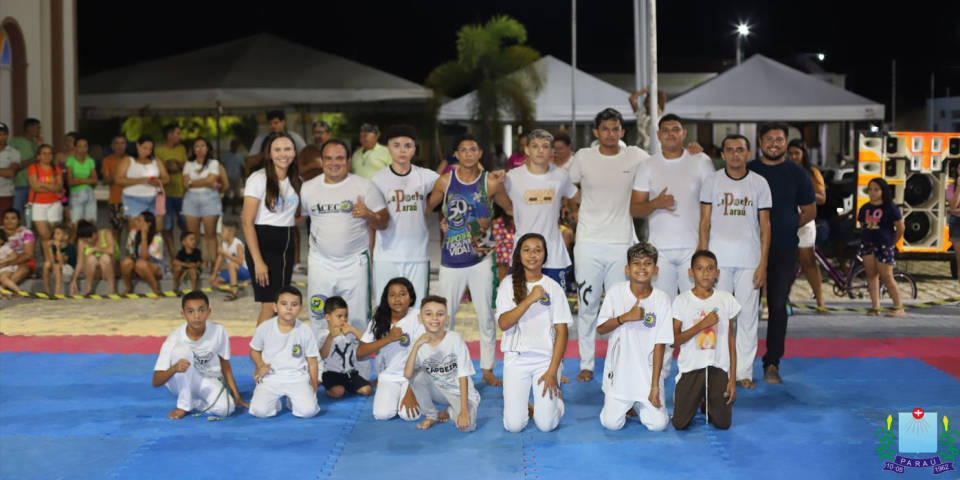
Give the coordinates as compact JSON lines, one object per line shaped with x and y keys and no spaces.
{"x":877,"y":222}
{"x":790,"y":187}
{"x":233,"y":163}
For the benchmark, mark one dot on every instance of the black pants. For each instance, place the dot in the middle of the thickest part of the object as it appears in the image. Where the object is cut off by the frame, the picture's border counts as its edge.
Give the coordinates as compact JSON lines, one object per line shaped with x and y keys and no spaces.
{"x":691,"y":390}
{"x":781,"y":272}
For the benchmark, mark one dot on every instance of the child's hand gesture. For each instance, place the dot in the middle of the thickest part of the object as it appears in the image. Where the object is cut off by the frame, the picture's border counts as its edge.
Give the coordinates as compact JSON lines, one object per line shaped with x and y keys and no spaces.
{"x":423,"y":339}
{"x":261,"y":372}
{"x":654,"y":397}
{"x":463,"y":420}
{"x":635,"y":314}
{"x":550,"y":384}
{"x":396,"y":333}
{"x":536,"y":294}
{"x":710,"y":320}
{"x":181,"y":366}
{"x":731,"y":392}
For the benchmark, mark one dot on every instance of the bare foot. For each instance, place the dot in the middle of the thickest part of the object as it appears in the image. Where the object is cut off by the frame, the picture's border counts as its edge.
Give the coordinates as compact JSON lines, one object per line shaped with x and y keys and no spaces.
{"x":443,"y":416}
{"x":426,"y":424}
{"x":585,"y":376}
{"x":530,"y":410}
{"x":564,"y":379}
{"x":490,"y":379}
{"x":631,"y":413}
{"x":177,"y":414}
{"x":745,"y":383}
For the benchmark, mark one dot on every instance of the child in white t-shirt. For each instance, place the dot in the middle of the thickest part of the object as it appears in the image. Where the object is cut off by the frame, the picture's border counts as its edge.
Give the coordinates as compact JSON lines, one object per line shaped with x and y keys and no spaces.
{"x":231,"y":264}
{"x":194,"y":363}
{"x":338,"y":348}
{"x":704,"y":322}
{"x":445,"y":370}
{"x":640,"y":318}
{"x":284,"y":352}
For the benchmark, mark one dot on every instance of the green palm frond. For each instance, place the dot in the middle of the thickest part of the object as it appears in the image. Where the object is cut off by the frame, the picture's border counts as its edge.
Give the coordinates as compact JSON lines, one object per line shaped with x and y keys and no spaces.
{"x":502,"y":28}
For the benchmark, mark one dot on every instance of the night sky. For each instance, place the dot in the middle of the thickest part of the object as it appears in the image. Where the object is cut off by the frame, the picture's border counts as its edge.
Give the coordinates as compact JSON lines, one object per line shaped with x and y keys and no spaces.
{"x":409,"y":38}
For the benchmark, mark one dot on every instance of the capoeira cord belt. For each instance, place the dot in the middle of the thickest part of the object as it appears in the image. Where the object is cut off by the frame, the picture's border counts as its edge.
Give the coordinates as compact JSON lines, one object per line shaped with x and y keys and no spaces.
{"x":223,"y":388}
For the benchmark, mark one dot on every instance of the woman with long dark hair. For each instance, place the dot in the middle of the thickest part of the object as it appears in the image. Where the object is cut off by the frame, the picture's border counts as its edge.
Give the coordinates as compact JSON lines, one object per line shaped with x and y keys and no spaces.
{"x":145,"y":253}
{"x":797,"y":152}
{"x":46,"y":187}
{"x":533,"y":313}
{"x":201,"y":174}
{"x":394,"y":328}
{"x":271,"y":204}
{"x":142,"y":179}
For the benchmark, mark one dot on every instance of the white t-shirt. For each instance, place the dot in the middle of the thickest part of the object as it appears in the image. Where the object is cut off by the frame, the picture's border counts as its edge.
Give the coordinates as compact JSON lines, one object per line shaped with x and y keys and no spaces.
{"x":734,"y":217}
{"x":233,"y":250}
{"x":535,"y":332}
{"x":607,"y":183}
{"x":405,"y":238}
{"x":285,"y":352}
{"x":342,"y":357}
{"x":682,"y":177}
{"x":392,"y":359}
{"x":257,"y":145}
{"x":8,"y":156}
{"x":288,"y":202}
{"x":711,"y":347}
{"x":536,"y":208}
{"x":331,"y":214}
{"x":447,"y":362}
{"x":199,"y":172}
{"x":627,"y":372}
{"x":207,"y":352}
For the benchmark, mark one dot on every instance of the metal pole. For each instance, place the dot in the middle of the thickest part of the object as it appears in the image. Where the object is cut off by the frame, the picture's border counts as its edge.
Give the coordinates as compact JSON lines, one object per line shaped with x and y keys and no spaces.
{"x":219,"y":112}
{"x":654,"y":94}
{"x":893,"y":101}
{"x":739,"y":51}
{"x":573,"y":72}
{"x":637,"y":54}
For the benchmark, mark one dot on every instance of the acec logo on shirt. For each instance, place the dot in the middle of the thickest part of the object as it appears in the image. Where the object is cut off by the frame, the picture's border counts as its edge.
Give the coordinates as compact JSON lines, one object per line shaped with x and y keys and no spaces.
{"x":345,"y":206}
{"x":649,"y":319}
{"x":297,"y":351}
{"x":545,"y":299}
{"x":733,"y":206}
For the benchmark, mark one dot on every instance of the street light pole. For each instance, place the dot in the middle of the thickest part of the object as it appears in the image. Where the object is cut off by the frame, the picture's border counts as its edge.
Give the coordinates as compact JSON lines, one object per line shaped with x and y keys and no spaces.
{"x":742,"y":31}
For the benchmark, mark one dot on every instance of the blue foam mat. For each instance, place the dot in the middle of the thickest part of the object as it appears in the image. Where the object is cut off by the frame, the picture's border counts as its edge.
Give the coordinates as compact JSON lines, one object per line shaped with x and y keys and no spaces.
{"x":103,"y":420}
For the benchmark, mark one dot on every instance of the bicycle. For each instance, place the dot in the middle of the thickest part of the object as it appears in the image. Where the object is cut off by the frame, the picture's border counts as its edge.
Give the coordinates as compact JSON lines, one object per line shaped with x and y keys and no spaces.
{"x":853,"y":284}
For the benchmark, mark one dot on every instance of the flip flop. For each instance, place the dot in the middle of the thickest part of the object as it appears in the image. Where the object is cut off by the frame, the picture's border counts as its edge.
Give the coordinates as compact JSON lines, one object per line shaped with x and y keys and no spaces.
{"x":873,"y":312}
{"x":897,"y":312}
{"x":823,"y":310}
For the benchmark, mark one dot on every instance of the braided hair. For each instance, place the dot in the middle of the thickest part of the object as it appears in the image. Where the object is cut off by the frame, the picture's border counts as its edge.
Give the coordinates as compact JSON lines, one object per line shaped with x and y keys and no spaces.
{"x":519,"y":275}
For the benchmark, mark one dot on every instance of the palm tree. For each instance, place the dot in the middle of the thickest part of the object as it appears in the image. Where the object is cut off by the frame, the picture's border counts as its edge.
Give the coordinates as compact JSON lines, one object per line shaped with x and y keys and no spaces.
{"x":493,"y":61}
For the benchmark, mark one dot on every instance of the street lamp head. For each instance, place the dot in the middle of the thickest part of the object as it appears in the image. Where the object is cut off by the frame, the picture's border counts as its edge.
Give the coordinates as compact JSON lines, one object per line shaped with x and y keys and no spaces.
{"x":821,"y":56}
{"x":743,"y":29}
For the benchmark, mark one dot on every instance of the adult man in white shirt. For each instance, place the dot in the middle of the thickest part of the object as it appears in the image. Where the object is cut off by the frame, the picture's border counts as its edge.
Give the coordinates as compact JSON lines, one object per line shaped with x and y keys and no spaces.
{"x":735,"y":224}
{"x":9,"y":161}
{"x":341,"y":206}
{"x":605,"y":176}
{"x":401,"y":248}
{"x":675,"y":176}
{"x":277,"y":121}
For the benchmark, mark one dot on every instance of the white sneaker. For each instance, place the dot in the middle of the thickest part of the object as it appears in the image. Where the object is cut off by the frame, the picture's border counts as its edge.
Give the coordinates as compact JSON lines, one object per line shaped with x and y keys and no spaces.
{"x":300,"y":268}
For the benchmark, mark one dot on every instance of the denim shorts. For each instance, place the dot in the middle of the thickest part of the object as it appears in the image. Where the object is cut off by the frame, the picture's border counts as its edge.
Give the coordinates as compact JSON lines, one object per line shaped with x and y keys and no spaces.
{"x":174,"y":209}
{"x":133,"y":206}
{"x":953,"y":222}
{"x":83,"y":206}
{"x":202,"y":204}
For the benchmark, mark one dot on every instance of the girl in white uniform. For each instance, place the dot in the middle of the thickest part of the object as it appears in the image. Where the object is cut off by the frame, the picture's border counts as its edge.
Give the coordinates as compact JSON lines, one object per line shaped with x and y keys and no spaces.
{"x":533,"y":313}
{"x":394,"y":328}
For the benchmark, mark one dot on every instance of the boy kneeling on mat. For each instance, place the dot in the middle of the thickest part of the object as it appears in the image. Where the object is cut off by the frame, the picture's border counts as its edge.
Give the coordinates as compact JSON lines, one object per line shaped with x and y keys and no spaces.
{"x":446,"y":370}
{"x":702,"y":318}
{"x":194,"y":363}
{"x":338,"y":348}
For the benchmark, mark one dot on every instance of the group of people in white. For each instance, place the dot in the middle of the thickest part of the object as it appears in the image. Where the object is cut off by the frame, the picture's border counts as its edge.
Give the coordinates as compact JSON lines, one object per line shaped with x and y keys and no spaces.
{"x":694,"y":285}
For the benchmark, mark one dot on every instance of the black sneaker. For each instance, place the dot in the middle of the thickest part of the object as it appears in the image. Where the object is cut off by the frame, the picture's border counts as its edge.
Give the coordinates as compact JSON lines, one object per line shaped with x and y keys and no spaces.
{"x":771,"y":374}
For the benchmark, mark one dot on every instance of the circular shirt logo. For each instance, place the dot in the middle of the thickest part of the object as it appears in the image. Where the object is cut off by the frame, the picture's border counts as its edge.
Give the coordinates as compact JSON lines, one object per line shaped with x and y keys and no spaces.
{"x":650,"y":320}
{"x":316,"y":304}
{"x":457,"y":208}
{"x":346,"y":206}
{"x":297,"y":351}
{"x":545,"y":299}
{"x":405,"y":340}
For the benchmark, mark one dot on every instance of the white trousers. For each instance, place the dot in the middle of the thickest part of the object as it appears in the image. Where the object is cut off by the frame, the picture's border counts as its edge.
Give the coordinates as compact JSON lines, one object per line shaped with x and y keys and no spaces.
{"x":349,"y":279}
{"x":521,"y":372}
{"x":673,"y":278}
{"x":597,"y":266}
{"x":453,"y":282}
{"x":197,"y":392}
{"x":301,"y":398}
{"x":739,"y":282}
{"x":417,"y":272}
{"x":386,"y":400}
{"x":429,"y":394}
{"x":614,"y":413}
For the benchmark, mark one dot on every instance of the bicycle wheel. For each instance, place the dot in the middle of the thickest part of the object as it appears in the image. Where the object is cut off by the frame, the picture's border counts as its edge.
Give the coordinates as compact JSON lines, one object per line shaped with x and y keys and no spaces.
{"x":857,"y":290}
{"x":905,"y":283}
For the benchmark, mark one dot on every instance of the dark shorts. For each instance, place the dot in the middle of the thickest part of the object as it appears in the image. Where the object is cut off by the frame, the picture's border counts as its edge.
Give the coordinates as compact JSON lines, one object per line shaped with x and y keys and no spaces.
{"x":116,"y":216}
{"x":350,"y":382}
{"x":953,"y":222}
{"x":276,"y":249}
{"x":884,"y":253}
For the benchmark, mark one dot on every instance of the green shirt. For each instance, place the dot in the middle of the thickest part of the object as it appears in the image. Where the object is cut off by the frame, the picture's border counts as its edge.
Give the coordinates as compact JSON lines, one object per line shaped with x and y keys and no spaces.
{"x":173,"y":188}
{"x":28,"y":150}
{"x":365,"y":164}
{"x":81,"y":170}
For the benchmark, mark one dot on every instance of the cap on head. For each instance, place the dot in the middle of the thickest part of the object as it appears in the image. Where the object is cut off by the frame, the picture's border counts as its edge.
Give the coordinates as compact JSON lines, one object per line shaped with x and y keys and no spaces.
{"x":4,"y":128}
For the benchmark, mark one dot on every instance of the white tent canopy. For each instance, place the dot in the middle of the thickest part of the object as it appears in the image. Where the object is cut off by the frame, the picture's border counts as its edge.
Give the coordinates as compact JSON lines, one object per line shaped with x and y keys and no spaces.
{"x":250,"y":73}
{"x":761,"y":89}
{"x":553,"y":103}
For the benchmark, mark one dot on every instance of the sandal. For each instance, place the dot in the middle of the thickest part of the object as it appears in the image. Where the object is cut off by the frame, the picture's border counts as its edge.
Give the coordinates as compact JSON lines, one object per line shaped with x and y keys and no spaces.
{"x":232,"y":296}
{"x":873,"y":312}
{"x":823,"y":310}
{"x":897,"y":312}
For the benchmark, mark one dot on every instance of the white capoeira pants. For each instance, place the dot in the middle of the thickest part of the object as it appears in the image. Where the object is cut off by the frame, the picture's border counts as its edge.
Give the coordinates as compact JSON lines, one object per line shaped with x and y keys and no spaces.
{"x":349,"y":279}
{"x":614,"y":413}
{"x":453,"y":282}
{"x":739,"y":282}
{"x":429,"y":394}
{"x":673,"y":278}
{"x":521,"y":372}
{"x":417,"y":272}
{"x":197,"y":392}
{"x":598,"y":266}
{"x":301,"y":399}
{"x":386,"y":400}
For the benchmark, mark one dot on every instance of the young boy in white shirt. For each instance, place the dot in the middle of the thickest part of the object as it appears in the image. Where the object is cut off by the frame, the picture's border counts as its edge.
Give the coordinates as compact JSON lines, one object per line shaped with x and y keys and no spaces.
{"x":194,"y":363}
{"x":704,"y":326}
{"x":284,"y":352}
{"x":640,"y":318}
{"x":445,"y":370}
{"x":338,"y":348}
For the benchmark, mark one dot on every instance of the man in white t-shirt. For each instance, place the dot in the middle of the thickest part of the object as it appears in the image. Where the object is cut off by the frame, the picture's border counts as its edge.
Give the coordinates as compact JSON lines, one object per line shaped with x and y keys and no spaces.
{"x":605,"y":175}
{"x":277,"y":121}
{"x":341,"y":206}
{"x":9,"y":162}
{"x":401,"y":248}
{"x":536,"y":190}
{"x":735,"y":224}
{"x":675,"y":177}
